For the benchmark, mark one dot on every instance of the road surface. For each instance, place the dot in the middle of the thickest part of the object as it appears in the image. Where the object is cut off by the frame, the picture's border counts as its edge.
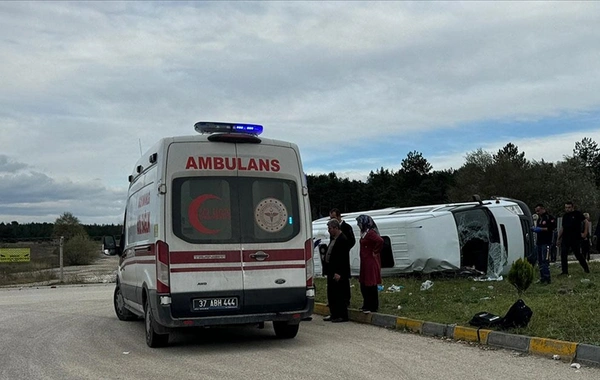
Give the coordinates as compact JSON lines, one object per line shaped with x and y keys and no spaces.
{"x":71,"y":332}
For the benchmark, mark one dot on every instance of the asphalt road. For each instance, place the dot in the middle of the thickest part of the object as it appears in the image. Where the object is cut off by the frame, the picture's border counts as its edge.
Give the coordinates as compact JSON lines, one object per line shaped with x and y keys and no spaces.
{"x":71,"y":332}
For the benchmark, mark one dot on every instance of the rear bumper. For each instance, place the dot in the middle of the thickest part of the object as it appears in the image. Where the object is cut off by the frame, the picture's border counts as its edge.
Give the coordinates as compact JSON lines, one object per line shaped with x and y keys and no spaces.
{"x":164,"y":318}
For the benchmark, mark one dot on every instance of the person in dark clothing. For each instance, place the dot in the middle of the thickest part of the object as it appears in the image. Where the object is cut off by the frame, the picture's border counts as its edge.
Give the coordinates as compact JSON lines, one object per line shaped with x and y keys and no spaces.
{"x":346,"y":228}
{"x":570,"y":236}
{"x":544,"y":229}
{"x":338,"y":273}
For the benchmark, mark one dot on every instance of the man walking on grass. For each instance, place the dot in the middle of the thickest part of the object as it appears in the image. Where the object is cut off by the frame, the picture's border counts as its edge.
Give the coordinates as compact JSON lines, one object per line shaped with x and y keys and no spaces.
{"x":570,"y":237}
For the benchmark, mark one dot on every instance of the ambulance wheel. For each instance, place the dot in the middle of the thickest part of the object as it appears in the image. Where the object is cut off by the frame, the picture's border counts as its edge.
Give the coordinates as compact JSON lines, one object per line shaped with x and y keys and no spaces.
{"x":284,"y":330}
{"x":152,"y":338}
{"x":122,"y":313}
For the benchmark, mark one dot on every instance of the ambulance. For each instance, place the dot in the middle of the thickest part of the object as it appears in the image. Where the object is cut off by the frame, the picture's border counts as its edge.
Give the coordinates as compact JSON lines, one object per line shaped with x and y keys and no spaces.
{"x":217,"y":231}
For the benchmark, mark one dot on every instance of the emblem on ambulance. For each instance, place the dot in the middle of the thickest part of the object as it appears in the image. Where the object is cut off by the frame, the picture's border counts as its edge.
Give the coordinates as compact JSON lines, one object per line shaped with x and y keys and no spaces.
{"x":271,"y":215}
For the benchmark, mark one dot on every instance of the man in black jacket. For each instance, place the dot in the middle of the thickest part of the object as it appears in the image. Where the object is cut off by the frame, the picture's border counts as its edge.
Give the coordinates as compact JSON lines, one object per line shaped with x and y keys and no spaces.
{"x":338,"y":273}
{"x":570,"y":236}
{"x":345,"y":227}
{"x":348,"y":233}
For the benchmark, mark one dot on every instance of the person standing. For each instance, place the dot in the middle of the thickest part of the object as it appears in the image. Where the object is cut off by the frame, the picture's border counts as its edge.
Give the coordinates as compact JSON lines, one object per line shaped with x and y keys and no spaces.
{"x":346,"y":228}
{"x":370,"y":263}
{"x":586,"y":242}
{"x":347,"y":231}
{"x":338,"y":273}
{"x":544,"y":229}
{"x":570,"y":236}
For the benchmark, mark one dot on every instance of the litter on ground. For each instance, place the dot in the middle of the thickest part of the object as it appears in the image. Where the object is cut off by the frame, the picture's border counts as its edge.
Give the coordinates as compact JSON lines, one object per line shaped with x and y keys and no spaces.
{"x":426,"y":285}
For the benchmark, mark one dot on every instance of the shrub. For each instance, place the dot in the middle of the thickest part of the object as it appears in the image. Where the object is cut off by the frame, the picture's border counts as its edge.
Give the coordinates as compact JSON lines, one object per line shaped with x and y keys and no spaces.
{"x":79,"y":250}
{"x":521,"y":275}
{"x":68,"y":225}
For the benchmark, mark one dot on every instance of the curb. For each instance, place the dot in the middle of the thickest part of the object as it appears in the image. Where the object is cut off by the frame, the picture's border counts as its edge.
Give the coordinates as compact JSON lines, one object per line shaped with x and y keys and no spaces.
{"x":580,"y":352}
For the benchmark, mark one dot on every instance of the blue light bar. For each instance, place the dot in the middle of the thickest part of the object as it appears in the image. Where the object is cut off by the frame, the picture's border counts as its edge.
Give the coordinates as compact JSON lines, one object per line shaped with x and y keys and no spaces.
{"x":212,"y":127}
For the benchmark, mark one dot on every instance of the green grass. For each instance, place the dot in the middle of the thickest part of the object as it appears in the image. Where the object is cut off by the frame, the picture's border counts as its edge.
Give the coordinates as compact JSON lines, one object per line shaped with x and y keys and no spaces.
{"x":567,"y":309}
{"x":25,"y":273}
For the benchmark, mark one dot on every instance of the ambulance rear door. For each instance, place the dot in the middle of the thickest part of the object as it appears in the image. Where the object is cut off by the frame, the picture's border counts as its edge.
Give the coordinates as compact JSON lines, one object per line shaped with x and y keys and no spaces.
{"x":273,"y":226}
{"x":204,"y":234}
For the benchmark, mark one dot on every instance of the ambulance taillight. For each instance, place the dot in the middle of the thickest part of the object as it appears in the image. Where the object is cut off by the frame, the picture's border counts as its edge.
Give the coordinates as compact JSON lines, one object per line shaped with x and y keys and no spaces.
{"x":162,"y":267}
{"x":310,"y":270}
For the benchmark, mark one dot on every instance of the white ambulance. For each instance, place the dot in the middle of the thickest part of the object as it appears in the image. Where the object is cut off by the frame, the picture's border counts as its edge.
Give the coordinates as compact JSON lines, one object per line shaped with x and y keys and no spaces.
{"x":217,"y":231}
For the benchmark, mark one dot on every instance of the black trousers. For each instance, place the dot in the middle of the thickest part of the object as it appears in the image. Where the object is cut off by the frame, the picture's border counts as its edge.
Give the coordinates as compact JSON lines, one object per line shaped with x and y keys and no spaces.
{"x":370,"y":297}
{"x":338,"y":296}
{"x":575,"y":246}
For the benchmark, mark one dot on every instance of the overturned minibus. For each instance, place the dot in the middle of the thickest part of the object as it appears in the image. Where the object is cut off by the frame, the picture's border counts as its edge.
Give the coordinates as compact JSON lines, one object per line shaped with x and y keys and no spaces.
{"x":485,"y":236}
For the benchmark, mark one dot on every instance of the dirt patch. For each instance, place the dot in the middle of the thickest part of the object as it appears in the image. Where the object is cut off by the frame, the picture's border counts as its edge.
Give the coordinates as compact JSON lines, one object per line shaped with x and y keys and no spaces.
{"x":103,"y":270}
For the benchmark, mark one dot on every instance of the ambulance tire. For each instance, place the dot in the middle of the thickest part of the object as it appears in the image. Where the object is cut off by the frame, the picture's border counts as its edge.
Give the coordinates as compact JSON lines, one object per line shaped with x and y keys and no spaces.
{"x":122,"y":313}
{"x":153,"y":339}
{"x":284,"y":330}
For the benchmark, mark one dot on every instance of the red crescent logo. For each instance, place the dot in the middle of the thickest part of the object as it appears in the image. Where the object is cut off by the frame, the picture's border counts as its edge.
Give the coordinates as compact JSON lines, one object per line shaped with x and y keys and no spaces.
{"x":193,"y":214}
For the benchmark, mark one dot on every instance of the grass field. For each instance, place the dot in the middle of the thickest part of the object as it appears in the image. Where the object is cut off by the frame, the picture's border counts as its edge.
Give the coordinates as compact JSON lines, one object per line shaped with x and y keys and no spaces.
{"x":43,"y":257}
{"x":567,"y":309}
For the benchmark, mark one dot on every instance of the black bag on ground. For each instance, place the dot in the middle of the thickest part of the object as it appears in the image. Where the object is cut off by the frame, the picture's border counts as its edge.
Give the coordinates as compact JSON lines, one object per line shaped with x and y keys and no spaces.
{"x":485,"y":319}
{"x":518,"y":315}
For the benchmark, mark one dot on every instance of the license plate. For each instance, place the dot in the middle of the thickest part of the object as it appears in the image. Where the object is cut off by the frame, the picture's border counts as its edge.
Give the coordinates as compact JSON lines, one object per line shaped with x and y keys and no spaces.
{"x":222,"y":303}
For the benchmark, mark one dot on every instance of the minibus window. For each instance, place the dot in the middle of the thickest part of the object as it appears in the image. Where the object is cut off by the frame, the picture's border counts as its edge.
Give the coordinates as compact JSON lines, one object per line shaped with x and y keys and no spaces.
{"x":387,"y":256}
{"x":480,"y":246}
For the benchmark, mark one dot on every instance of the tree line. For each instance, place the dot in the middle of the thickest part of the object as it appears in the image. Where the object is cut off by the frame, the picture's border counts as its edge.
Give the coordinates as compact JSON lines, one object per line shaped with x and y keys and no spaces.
{"x":13,"y":232}
{"x":505,"y":173}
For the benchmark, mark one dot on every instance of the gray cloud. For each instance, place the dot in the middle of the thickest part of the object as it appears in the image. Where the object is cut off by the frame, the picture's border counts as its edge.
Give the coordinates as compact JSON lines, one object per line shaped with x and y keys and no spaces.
{"x":85,"y":84}
{"x":41,"y":198}
{"x":9,"y":166}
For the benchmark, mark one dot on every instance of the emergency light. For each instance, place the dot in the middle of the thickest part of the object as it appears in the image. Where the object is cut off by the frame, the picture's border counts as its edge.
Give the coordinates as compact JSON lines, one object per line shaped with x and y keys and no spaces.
{"x":213,"y":127}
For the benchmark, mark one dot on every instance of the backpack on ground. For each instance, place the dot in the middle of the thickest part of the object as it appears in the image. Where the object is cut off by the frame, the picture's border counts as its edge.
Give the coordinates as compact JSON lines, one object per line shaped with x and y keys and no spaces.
{"x":518,"y":315}
{"x":485,"y":319}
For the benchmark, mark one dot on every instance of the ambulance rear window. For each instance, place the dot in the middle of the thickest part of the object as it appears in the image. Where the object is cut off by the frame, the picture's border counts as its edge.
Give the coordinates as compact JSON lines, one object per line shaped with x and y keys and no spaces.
{"x":209,"y":210}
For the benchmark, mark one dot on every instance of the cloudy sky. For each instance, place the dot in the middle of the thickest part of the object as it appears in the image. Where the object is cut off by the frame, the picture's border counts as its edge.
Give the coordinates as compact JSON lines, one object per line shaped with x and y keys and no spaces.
{"x":356,"y":85}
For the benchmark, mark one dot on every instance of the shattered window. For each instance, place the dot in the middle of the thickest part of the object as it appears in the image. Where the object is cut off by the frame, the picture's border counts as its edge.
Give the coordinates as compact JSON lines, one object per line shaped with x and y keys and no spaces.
{"x":480,"y":246}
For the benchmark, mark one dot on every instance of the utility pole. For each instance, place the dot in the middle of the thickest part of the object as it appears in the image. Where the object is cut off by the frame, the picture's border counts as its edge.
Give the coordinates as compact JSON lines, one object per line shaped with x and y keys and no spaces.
{"x":62,"y":238}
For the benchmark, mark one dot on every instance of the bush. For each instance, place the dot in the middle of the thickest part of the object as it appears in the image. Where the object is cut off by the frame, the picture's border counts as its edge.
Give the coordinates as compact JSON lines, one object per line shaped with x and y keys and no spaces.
{"x":521,"y":275}
{"x":79,"y":250}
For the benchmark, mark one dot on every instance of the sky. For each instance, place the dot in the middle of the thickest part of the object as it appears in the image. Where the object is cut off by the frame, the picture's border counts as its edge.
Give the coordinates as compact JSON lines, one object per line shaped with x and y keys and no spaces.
{"x":84,"y":86}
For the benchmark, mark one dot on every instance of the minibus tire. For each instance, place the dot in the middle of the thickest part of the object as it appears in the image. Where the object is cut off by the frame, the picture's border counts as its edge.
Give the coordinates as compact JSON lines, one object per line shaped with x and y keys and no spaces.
{"x":122,"y":313}
{"x":284,"y":330}
{"x":153,"y":339}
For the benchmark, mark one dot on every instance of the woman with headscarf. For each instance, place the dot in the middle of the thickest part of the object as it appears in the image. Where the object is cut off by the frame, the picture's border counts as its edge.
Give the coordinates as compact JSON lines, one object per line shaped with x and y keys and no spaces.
{"x":370,"y":263}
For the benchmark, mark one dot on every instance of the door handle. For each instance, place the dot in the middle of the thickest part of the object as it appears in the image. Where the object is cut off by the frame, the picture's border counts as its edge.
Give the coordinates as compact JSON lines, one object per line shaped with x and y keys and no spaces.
{"x":259,"y":256}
